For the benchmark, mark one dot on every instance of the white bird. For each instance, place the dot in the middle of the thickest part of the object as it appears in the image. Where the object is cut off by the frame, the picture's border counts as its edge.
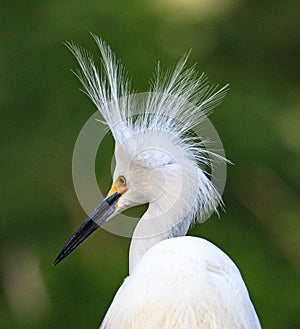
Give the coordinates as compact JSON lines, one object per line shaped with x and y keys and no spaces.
{"x":174,"y":281}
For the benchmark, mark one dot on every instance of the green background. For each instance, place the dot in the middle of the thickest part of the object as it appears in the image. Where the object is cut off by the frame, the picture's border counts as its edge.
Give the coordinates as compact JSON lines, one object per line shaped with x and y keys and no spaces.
{"x":253,"y":45}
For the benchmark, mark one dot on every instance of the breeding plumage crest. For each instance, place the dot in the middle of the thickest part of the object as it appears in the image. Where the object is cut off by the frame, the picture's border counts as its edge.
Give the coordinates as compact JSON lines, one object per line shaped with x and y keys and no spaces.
{"x":178,"y":100}
{"x":179,"y":93}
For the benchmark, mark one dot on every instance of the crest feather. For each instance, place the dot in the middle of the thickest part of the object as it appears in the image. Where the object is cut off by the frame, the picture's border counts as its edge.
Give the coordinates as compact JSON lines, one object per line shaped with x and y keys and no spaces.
{"x":177,"y":93}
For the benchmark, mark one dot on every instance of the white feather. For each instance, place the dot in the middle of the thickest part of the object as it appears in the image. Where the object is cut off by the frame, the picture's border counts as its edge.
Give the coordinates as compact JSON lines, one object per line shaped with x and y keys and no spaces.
{"x":174,"y":282}
{"x":185,"y":283}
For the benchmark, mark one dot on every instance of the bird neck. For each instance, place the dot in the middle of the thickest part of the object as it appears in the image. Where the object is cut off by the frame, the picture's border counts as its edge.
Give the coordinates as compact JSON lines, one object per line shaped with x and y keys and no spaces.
{"x":153,"y":228}
{"x":169,"y":214}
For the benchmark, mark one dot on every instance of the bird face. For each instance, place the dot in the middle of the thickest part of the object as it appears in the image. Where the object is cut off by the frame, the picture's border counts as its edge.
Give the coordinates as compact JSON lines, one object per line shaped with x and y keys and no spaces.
{"x":142,"y":185}
{"x":147,"y":167}
{"x":134,"y":184}
{"x":123,"y":194}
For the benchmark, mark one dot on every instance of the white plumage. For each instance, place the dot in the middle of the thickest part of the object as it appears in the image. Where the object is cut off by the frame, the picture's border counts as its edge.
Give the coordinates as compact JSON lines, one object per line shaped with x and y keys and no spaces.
{"x":183,"y":282}
{"x":175,"y":281}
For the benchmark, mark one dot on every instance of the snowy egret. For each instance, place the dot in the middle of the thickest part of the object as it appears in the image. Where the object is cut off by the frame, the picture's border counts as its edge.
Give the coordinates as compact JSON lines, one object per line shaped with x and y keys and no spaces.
{"x":174,"y":281}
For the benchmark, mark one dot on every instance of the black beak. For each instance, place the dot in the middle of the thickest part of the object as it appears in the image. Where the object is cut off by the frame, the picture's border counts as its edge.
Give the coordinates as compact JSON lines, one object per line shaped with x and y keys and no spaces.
{"x":105,"y":209}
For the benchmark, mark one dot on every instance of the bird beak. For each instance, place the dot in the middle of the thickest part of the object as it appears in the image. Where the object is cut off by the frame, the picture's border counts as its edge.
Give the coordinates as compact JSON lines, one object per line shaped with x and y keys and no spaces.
{"x":105,"y":209}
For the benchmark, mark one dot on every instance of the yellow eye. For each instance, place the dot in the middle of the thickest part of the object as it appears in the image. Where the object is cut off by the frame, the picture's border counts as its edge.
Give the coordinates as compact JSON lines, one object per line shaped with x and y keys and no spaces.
{"x":122,"y":180}
{"x":118,"y":186}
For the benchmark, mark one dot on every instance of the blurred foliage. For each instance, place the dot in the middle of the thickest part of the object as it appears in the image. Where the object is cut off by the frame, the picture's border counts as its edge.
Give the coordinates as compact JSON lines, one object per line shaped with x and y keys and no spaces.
{"x":253,"y":45}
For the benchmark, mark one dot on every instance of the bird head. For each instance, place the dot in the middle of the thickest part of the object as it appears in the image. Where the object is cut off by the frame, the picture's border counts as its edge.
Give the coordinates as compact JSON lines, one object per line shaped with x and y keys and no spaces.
{"x":157,"y":162}
{"x":152,"y":168}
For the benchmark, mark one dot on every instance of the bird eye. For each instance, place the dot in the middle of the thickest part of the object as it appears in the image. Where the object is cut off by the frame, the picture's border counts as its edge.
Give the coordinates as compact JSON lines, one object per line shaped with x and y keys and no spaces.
{"x":122,"y":180}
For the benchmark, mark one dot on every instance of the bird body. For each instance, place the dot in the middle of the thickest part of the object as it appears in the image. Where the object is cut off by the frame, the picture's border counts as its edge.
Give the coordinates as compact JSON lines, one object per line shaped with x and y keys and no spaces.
{"x":185,"y":283}
{"x":174,"y":282}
